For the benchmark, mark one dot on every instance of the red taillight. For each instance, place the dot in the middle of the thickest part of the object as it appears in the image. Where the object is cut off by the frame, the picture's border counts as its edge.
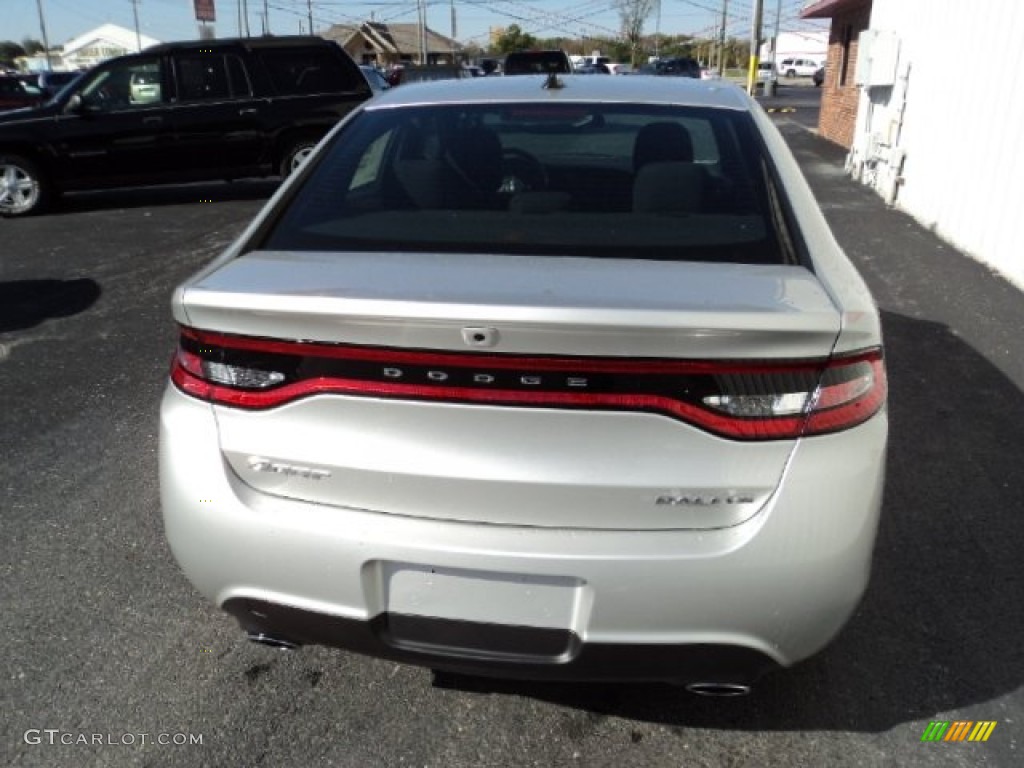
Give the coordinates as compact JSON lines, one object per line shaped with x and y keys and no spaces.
{"x":746,"y":400}
{"x":852,"y":390}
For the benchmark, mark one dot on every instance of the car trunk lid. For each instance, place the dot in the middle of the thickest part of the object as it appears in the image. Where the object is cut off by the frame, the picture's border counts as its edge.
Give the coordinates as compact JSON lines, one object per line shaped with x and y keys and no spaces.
{"x":418,"y":428}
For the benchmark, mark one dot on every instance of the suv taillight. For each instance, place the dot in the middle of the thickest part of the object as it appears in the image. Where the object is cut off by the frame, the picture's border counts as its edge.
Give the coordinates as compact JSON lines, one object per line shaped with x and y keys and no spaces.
{"x":744,"y":400}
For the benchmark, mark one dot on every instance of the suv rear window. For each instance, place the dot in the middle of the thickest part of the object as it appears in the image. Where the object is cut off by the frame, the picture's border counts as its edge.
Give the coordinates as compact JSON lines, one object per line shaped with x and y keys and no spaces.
{"x":310,"y":70}
{"x":537,"y":62}
{"x":572,"y":179}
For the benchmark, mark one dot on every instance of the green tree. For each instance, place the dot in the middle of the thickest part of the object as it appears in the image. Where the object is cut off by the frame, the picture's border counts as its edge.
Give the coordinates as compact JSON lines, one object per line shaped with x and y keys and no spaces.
{"x":737,"y":54}
{"x":618,"y":50}
{"x":684,"y":46}
{"x":633,"y":14}
{"x":32,"y":46}
{"x":553,"y":44}
{"x":9,"y":51}
{"x":514,"y":39}
{"x":472,"y":52}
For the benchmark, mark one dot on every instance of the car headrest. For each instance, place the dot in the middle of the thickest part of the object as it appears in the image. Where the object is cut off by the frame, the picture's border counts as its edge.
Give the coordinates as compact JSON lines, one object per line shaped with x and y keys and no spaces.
{"x":669,"y":188}
{"x":662,"y":142}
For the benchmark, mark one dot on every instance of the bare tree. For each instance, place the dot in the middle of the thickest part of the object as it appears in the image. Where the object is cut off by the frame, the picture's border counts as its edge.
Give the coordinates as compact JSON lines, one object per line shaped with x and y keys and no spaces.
{"x":633,"y":14}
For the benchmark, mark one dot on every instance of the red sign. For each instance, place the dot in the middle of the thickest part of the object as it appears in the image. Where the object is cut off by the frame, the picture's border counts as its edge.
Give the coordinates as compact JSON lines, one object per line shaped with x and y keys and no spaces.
{"x":205,"y":10}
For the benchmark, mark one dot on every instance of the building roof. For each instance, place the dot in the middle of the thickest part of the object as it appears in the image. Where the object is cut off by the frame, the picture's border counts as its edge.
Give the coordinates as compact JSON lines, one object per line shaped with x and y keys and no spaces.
{"x":826,"y":9}
{"x":391,"y":38}
{"x":340,"y":33}
{"x":108,"y":33}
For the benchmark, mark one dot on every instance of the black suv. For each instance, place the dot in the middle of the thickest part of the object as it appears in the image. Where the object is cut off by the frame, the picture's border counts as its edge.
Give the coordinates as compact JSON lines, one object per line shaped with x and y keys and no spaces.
{"x":537,"y":62}
{"x":178,"y":112}
{"x":679,"y":67}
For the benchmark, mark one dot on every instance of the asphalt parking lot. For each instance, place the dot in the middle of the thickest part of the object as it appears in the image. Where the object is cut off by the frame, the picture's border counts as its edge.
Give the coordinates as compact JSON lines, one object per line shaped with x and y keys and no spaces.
{"x":104,"y":636}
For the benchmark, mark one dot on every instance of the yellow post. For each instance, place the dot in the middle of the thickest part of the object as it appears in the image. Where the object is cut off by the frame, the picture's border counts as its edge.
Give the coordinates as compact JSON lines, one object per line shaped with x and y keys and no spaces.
{"x":755,"y":47}
{"x":752,"y":75}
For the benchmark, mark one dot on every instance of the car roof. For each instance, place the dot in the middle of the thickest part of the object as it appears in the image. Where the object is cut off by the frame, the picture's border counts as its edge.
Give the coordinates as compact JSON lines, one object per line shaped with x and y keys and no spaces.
{"x":283,"y":41}
{"x":629,"y":89}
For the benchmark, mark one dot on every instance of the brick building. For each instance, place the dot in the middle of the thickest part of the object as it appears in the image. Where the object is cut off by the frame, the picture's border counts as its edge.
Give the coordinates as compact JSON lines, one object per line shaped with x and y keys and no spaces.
{"x":841,"y":96}
{"x":894,"y":100}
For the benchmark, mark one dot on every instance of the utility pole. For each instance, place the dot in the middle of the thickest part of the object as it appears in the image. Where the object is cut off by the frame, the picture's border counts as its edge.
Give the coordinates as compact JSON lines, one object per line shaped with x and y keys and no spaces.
{"x":266,"y":18}
{"x":46,"y":42}
{"x":721,"y":38}
{"x":755,"y":47}
{"x":309,"y":10}
{"x":769,"y":84}
{"x":421,"y":9}
{"x":775,"y":37}
{"x":135,"y":13}
{"x":245,"y":18}
{"x":657,"y":30}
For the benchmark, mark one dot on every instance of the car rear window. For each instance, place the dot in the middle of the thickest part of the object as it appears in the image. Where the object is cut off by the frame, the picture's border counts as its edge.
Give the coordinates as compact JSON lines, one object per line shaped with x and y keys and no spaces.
{"x":557,"y":179}
{"x":536,"y":62}
{"x":304,"y":71}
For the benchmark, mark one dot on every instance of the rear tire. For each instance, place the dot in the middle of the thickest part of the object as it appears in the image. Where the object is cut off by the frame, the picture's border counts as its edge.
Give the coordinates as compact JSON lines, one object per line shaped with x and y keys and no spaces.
{"x":295,"y":155}
{"x":23,"y":188}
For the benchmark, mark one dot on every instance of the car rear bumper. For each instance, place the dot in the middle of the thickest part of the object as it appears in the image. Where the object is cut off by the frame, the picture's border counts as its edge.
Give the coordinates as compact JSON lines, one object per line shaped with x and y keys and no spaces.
{"x":492,"y":650}
{"x":532,"y":602}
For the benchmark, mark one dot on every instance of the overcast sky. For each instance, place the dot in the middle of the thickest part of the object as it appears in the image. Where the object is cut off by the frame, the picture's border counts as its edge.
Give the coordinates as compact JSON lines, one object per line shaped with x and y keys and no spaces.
{"x":175,"y":19}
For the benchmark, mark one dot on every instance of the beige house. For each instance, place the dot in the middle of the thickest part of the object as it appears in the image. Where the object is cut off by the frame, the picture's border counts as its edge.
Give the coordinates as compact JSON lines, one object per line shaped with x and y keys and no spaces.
{"x":388,"y":44}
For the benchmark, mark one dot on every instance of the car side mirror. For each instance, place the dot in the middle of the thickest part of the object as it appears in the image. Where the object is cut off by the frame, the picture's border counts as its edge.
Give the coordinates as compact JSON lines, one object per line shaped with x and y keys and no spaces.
{"x":80,"y":106}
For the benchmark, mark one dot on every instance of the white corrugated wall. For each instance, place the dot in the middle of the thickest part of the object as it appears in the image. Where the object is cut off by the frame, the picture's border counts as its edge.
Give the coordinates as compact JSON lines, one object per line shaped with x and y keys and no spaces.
{"x":963,"y":121}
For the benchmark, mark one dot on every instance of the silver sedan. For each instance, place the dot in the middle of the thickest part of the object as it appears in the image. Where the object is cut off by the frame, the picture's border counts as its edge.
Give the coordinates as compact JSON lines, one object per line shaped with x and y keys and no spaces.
{"x":551,"y":377}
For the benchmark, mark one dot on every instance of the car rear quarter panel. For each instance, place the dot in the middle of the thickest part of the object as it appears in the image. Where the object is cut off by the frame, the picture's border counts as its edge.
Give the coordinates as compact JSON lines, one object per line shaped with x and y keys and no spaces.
{"x":861,"y":327}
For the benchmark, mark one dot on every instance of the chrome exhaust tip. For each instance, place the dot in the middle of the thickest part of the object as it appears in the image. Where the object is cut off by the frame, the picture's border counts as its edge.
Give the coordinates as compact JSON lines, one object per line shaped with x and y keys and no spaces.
{"x":719,"y":689}
{"x":273,"y":642}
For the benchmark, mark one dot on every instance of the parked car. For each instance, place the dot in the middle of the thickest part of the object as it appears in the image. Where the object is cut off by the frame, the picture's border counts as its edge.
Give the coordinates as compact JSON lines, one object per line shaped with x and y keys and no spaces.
{"x":192,"y":111}
{"x":793,"y":67}
{"x":593,"y":69}
{"x":678,"y":67}
{"x":15,"y":93}
{"x":565,"y":383}
{"x":818,"y":77}
{"x":537,"y":62}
